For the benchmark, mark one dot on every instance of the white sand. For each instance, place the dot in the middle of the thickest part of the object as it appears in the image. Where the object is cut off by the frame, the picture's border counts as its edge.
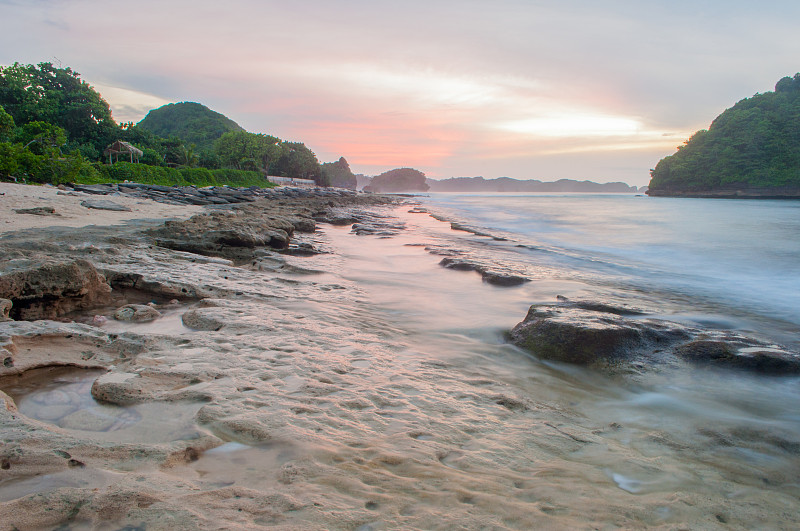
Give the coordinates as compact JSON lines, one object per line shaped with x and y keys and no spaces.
{"x":72,"y":214}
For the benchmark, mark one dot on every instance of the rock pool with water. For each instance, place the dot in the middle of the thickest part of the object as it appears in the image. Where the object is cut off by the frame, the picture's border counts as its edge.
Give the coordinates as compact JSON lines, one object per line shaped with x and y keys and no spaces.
{"x":368,"y":387}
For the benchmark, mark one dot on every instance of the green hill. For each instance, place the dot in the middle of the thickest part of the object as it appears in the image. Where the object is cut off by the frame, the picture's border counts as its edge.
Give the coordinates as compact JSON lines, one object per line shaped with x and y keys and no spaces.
{"x":191,"y":122}
{"x":750,"y":150}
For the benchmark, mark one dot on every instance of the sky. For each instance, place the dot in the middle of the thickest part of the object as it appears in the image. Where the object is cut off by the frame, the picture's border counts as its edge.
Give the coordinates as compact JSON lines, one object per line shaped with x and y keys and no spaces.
{"x":575,"y":89}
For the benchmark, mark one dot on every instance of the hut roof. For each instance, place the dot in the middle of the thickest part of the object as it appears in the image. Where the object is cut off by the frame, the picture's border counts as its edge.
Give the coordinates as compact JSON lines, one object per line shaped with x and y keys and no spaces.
{"x":122,"y":147}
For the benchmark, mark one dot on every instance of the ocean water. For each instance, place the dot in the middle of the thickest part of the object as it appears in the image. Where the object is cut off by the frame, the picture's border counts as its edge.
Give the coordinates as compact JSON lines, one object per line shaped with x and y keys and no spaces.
{"x":736,"y":260}
{"x":527,"y":443}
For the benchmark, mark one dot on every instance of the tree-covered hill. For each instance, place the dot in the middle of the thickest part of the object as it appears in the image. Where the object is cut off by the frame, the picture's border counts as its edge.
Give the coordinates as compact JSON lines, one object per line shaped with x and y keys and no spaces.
{"x":398,"y":180}
{"x":190,"y":122}
{"x":55,"y":128}
{"x":750,"y":150}
{"x":339,"y":174}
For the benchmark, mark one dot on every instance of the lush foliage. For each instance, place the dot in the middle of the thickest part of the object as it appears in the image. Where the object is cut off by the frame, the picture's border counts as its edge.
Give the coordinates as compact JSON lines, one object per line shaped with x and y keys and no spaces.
{"x":247,"y":151}
{"x":167,"y":176}
{"x":57,"y":96}
{"x":399,"y":180}
{"x":54,"y":128}
{"x":189,"y":122}
{"x":339,"y":175}
{"x":297,"y":161}
{"x":754,"y":144}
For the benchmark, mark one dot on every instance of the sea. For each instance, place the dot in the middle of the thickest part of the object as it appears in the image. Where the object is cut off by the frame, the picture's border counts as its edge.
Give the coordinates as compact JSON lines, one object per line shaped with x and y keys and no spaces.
{"x":374,"y":389}
{"x":687,"y":447}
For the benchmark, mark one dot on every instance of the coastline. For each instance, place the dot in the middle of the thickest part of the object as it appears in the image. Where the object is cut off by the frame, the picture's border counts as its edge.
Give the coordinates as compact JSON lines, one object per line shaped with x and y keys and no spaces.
{"x":313,"y":364}
{"x":116,"y":334}
{"x":730,"y":193}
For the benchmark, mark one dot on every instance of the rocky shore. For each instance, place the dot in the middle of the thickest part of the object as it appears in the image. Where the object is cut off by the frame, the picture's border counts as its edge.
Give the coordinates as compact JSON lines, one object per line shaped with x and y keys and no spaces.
{"x":82,"y":300}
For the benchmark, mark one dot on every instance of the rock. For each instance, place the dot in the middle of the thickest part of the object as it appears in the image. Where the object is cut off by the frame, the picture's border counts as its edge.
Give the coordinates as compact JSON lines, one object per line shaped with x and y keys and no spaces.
{"x":202,"y":319}
{"x":503,"y":279}
{"x":495,"y":276}
{"x":137,"y":313}
{"x":566,"y":332}
{"x":5,"y":310}
{"x":37,"y":211}
{"x":49,"y":288}
{"x":592,"y":333}
{"x":757,"y":358}
{"x":97,"y":189}
{"x":459,"y":264}
{"x":104,"y":204}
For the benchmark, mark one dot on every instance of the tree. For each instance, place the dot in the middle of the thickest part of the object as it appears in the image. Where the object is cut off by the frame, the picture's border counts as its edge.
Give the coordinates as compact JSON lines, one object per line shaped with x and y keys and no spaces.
{"x":339,"y":174}
{"x":753,"y":145}
{"x":6,"y":125}
{"x":58,"y":96}
{"x":189,"y":157}
{"x":41,"y":138}
{"x":299,"y":162}
{"x":242,"y":150}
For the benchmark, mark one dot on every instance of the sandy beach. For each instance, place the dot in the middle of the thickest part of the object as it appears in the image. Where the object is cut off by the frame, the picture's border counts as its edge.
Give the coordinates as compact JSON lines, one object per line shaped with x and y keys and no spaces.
{"x":70,"y":212}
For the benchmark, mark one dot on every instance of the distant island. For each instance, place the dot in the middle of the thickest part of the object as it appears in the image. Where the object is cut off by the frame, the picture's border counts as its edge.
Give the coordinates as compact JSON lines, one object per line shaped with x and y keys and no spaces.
{"x":398,"y":180}
{"x":751,"y":150}
{"x":506,"y":184}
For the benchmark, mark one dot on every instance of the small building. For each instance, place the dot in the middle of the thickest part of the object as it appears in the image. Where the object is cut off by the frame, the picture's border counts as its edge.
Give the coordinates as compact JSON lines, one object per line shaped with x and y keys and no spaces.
{"x":290,"y":181}
{"x":122,"y":148}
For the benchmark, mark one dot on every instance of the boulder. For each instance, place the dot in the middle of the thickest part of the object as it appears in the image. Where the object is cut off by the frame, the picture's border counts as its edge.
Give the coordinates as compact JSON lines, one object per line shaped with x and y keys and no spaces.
{"x":203,"y":319}
{"x":496,"y":276}
{"x":137,"y":313}
{"x":50,"y":288}
{"x":766,"y":359}
{"x":567,"y":332}
{"x":5,"y":310}
{"x":600,"y":334}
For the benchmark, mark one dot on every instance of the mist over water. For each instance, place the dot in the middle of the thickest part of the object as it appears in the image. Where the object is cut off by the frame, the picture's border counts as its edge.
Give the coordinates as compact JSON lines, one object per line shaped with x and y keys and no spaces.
{"x":735,"y":259}
{"x":665,"y":445}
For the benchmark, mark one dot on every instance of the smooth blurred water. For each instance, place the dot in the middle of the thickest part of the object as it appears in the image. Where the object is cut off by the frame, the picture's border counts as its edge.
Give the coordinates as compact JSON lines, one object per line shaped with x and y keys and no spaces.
{"x":737,"y":258}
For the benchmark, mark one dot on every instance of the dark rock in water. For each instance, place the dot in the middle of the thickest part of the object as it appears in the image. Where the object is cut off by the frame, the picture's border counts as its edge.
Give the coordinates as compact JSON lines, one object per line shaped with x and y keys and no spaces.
{"x":37,"y":211}
{"x":137,"y":313}
{"x":339,"y":220}
{"x":50,"y":288}
{"x":592,"y":333}
{"x":300,"y":249}
{"x":601,"y":307}
{"x":459,"y":264}
{"x":465,"y":228}
{"x":104,"y":204}
{"x":758,"y":358}
{"x":565,"y":332}
{"x":503,"y":279}
{"x":494,"y":276}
